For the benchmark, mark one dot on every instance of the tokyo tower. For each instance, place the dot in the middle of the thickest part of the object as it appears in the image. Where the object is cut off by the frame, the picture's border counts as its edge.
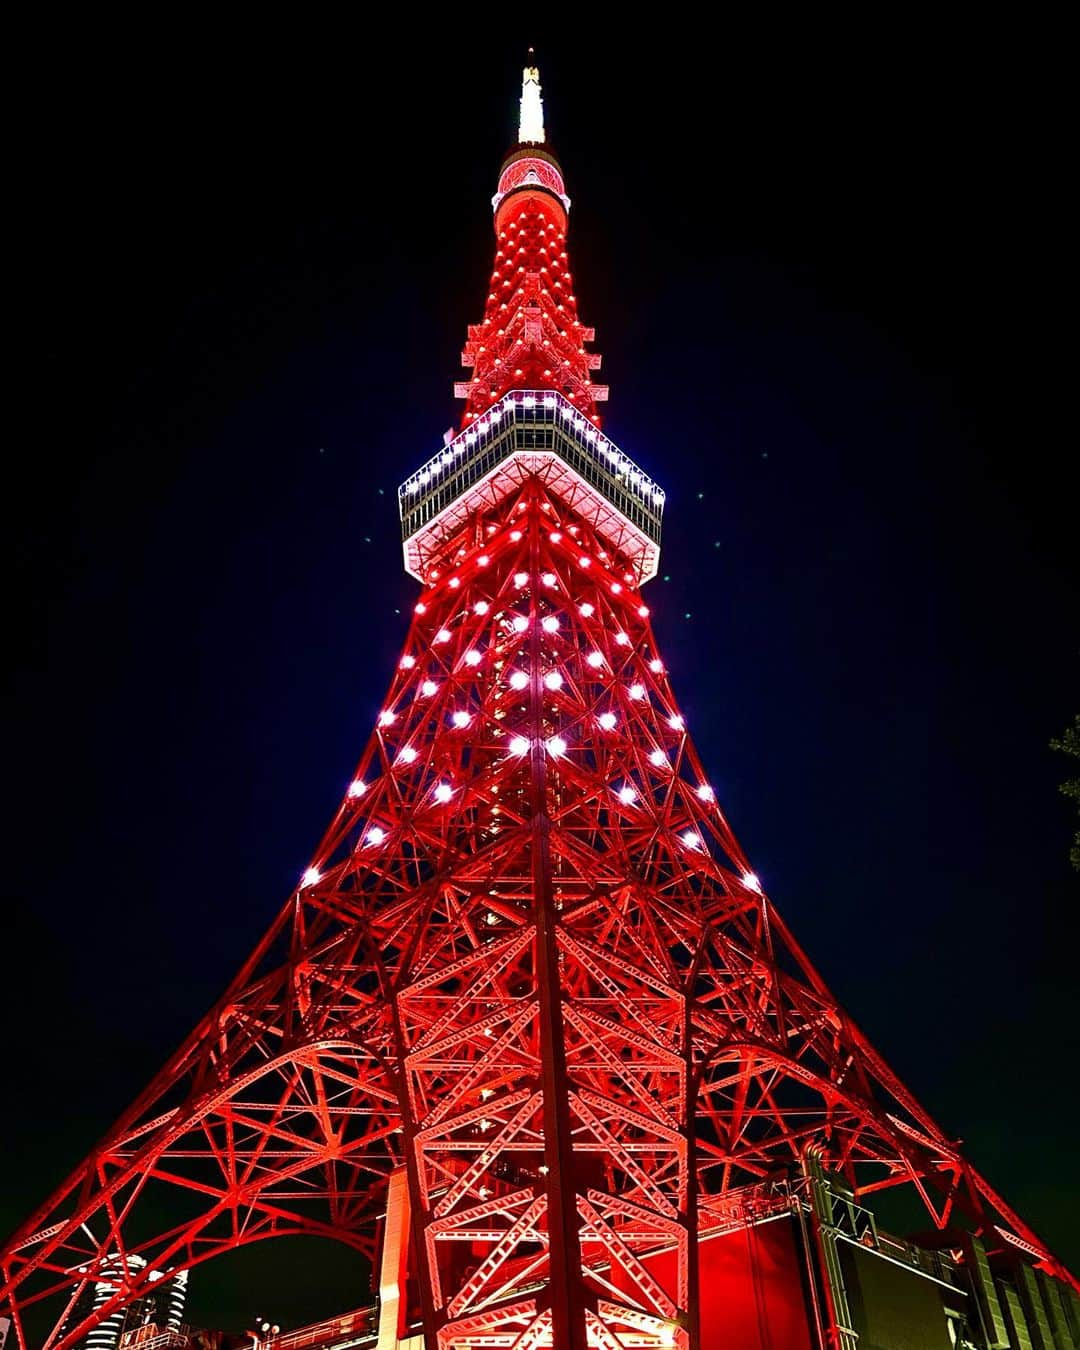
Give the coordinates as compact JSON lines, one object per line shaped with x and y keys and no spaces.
{"x":528,"y":1034}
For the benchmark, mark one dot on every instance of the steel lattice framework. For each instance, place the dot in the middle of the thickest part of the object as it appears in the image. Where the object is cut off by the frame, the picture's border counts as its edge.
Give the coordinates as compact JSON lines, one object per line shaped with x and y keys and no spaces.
{"x":529,"y":964}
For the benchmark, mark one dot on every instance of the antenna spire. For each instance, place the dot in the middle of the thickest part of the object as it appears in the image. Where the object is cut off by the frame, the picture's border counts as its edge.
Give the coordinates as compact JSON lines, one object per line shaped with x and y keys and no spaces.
{"x":531,"y":122}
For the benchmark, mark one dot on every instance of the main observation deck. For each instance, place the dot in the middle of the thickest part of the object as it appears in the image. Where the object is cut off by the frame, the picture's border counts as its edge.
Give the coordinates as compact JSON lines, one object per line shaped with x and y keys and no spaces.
{"x":531,"y":432}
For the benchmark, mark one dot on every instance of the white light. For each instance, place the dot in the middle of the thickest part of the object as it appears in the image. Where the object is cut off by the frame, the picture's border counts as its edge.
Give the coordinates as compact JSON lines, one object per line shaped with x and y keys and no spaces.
{"x":643,"y":611}
{"x":555,"y":536}
{"x":607,"y":720}
{"x":407,"y":662}
{"x":628,"y":795}
{"x":443,"y":635}
{"x":519,"y":745}
{"x":691,"y":839}
{"x":531,"y":119}
{"x":706,"y":793}
{"x":518,"y":680}
{"x":428,"y":688}
{"x":421,"y":608}
{"x":528,"y":401}
{"x":473,"y":657}
{"x":658,"y":759}
{"x":676,"y":723}
{"x":407,"y":754}
{"x":616,"y":587}
{"x":549,"y":401}
{"x":587,"y":610}
{"x":461,"y":718}
{"x":549,"y":579}
{"x":520,"y":623}
{"x":595,"y":659}
{"x":310,"y":877}
{"x":656,"y":666}
{"x":549,"y":624}
{"x":455,"y":582}
{"x":515,"y":535}
{"x":443,"y":792}
{"x":637,"y":691}
{"x":556,"y":745}
{"x":481,"y":607}
{"x":375,"y":835}
{"x":521,"y":579}
{"x":553,"y":680}
{"x":751,"y":882}
{"x":385,"y":718}
{"x":584,"y":562}
{"x":483,"y":560}
{"x":357,"y":788}
{"x":623,"y":639}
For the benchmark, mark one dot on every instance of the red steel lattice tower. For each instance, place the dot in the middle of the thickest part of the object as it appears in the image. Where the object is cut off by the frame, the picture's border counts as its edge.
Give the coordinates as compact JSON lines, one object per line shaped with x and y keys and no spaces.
{"x":529,"y":998}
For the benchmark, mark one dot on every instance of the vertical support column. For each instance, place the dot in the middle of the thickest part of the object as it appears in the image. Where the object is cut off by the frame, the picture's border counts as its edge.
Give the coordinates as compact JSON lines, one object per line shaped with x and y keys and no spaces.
{"x":567,"y":1305}
{"x":393,"y":1266}
{"x":839,"y":1333}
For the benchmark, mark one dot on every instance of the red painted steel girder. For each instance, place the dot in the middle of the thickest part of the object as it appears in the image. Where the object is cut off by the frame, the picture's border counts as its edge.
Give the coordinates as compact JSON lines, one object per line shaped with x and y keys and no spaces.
{"x":531,"y":963}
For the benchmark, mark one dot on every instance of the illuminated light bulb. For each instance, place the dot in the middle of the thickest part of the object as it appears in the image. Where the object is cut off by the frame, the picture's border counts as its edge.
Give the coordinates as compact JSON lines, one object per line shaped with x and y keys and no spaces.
{"x":627,"y":795}
{"x":518,"y":680}
{"x":637,"y":691}
{"x":643,"y":611}
{"x":691,"y":839}
{"x":385,"y":718}
{"x":521,"y":579}
{"x":519,"y":745}
{"x":473,"y":657}
{"x":706,"y":793}
{"x":443,"y":635}
{"x":549,"y":579}
{"x":623,"y":639}
{"x":357,"y":788}
{"x":428,"y":688}
{"x":751,"y":882}
{"x":584,"y":562}
{"x":658,"y":759}
{"x":616,"y":587}
{"x":587,"y":610}
{"x":515,"y":535}
{"x":520,"y":624}
{"x":549,"y":623}
{"x":676,"y":723}
{"x":607,"y":720}
{"x":455,"y":582}
{"x":461,"y":718}
{"x":595,"y":659}
{"x":481,"y":607}
{"x":555,"y":537}
{"x":483,"y":560}
{"x":421,"y":608}
{"x":310,"y":877}
{"x":556,"y":745}
{"x":407,"y":662}
{"x":553,"y":680}
{"x":375,"y":835}
{"x":443,"y":792}
{"x":407,"y":754}
{"x":656,"y":666}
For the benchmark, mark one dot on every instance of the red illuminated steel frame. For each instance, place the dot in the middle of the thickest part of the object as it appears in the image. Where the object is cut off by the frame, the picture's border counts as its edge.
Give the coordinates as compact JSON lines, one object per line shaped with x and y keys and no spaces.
{"x":531,"y":966}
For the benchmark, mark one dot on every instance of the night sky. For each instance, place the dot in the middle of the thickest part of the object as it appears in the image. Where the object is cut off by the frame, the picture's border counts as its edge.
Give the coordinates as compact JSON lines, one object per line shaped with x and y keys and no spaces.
{"x":823,"y":266}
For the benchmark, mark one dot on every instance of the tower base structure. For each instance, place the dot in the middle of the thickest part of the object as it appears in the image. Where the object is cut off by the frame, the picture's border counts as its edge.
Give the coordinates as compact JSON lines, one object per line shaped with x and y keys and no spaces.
{"x":765,"y":1286}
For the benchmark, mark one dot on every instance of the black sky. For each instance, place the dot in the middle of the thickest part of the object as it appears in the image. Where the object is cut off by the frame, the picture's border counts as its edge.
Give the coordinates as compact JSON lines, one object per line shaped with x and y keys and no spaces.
{"x":824,"y":264}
